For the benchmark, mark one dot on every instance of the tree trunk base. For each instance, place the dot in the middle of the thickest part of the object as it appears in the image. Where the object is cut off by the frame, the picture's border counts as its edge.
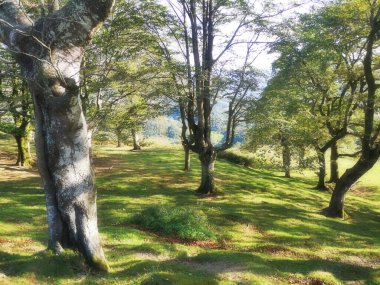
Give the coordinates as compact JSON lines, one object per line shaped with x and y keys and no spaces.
{"x":136,"y":148}
{"x":334,"y":213}
{"x":321,"y":188}
{"x":206,"y":191}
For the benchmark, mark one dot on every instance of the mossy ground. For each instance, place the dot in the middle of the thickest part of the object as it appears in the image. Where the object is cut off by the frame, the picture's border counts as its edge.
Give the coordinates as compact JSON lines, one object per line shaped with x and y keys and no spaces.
{"x":270,"y":229}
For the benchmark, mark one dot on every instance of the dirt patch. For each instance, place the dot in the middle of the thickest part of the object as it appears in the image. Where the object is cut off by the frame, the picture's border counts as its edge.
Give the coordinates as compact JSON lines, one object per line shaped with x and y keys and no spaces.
{"x":280,"y":250}
{"x":295,"y":279}
{"x":207,"y":244}
{"x":7,"y":158}
{"x":215,"y":267}
{"x":359,"y":261}
{"x":105,"y":164}
{"x":362,"y":191}
{"x":10,"y":172}
{"x":4,"y":241}
{"x":222,"y":269}
{"x":151,"y":256}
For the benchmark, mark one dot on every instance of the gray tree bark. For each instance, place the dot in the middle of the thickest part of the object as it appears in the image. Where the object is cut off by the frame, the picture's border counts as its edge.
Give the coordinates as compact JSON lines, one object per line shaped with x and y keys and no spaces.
{"x":49,"y":52}
{"x":136,"y":145}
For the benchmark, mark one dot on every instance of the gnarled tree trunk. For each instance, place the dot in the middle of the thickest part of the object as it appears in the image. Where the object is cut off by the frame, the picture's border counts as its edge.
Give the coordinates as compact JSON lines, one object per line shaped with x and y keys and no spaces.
{"x":49,"y":52}
{"x":336,"y":206}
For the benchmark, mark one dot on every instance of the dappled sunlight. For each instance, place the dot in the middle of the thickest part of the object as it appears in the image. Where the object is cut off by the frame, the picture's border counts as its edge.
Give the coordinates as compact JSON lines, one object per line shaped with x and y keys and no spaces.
{"x":269,"y":229}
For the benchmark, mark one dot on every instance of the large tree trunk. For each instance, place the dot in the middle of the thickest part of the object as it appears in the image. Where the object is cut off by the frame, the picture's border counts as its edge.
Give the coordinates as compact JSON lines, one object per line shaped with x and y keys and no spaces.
{"x":50,"y":52}
{"x":207,"y":163}
{"x":136,"y":145}
{"x":336,"y":206}
{"x":23,"y":151}
{"x":322,"y":171}
{"x":63,"y":154}
{"x":334,"y":173}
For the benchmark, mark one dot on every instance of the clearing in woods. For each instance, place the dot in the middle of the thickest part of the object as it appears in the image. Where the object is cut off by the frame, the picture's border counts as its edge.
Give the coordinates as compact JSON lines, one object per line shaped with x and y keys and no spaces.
{"x":269,"y":229}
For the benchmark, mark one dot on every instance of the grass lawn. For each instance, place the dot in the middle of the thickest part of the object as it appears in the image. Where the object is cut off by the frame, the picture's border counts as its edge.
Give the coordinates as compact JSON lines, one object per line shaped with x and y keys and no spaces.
{"x":269,"y":229}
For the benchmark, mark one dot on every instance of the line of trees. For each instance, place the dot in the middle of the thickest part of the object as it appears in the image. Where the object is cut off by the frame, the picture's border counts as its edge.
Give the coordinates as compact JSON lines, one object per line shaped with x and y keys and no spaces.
{"x":324,"y":90}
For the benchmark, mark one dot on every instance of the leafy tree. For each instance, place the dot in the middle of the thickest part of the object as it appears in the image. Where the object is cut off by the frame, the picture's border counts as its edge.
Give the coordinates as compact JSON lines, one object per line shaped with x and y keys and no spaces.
{"x":369,"y":14}
{"x":237,"y":88}
{"x":198,"y":28}
{"x":123,"y":75}
{"x":279,"y":120}
{"x":325,"y":72}
{"x":16,"y":102}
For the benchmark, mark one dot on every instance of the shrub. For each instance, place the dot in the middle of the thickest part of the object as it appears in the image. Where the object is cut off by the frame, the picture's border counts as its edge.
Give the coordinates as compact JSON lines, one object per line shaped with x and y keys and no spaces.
{"x":237,"y":158}
{"x":181,"y":222}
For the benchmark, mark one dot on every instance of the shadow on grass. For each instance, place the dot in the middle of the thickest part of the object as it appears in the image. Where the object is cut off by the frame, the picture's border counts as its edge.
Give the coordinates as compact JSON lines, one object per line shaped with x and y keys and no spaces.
{"x":43,"y":264}
{"x":285,"y":213}
{"x":209,"y":268}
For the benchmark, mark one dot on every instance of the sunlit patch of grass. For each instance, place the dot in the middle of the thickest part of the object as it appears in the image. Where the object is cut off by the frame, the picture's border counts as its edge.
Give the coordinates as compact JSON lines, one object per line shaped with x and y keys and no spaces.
{"x":270,"y":229}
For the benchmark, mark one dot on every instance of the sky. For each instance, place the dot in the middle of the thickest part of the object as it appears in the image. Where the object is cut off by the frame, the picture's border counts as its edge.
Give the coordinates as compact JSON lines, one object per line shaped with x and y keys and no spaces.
{"x":265,"y":59}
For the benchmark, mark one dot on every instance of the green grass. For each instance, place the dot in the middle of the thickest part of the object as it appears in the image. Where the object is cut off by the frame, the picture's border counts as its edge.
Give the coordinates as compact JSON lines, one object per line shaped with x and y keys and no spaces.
{"x":269,"y":229}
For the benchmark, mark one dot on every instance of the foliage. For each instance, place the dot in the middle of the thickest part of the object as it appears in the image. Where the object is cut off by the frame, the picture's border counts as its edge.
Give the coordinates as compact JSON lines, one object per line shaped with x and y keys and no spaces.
{"x":182,"y":222}
{"x":163,"y":126}
{"x":237,"y":158}
{"x":123,"y":75}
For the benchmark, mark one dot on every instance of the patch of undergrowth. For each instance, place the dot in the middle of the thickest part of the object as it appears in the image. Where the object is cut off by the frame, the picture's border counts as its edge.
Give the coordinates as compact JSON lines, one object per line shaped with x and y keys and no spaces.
{"x":179,"y":222}
{"x":237,"y":158}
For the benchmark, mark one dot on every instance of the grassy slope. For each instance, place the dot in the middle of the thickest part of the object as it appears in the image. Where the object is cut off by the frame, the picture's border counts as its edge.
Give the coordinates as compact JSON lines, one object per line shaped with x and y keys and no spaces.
{"x":270,"y":228}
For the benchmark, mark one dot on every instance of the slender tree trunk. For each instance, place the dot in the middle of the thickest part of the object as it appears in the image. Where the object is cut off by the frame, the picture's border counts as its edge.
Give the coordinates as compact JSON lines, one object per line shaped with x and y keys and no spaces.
{"x":187,"y":157}
{"x":334,"y":173}
{"x":322,"y":171}
{"x":207,"y":163}
{"x":301,"y":157}
{"x":286,"y":156}
{"x":286,"y":159}
{"x":118,"y":135}
{"x":228,"y":142}
{"x":23,"y":151}
{"x":136,"y":145}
